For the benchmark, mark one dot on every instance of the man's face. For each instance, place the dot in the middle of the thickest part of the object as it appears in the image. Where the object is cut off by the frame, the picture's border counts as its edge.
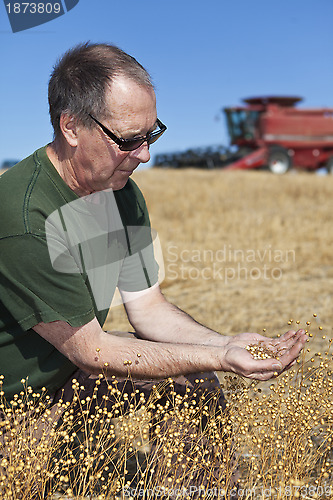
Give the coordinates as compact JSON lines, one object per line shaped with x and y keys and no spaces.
{"x":98,"y":163}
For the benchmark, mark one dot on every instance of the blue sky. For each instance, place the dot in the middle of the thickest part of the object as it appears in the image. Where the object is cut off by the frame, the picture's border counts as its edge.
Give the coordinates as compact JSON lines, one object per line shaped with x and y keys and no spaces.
{"x":202,"y":56}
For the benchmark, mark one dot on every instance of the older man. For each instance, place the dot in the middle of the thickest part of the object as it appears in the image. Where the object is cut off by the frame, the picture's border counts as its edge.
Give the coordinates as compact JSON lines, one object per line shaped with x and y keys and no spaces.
{"x":103,"y":111}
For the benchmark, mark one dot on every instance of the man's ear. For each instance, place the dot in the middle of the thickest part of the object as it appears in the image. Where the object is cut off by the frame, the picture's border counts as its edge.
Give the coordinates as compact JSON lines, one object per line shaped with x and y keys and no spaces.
{"x":68,"y":127}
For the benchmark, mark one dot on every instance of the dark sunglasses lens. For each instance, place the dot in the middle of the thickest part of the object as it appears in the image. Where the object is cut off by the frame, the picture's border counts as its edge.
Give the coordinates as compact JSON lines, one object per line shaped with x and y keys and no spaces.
{"x":131,"y":145}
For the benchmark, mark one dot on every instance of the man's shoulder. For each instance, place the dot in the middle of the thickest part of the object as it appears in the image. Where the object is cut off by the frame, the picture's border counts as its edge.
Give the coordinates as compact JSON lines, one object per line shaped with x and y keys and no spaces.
{"x":29,"y":193}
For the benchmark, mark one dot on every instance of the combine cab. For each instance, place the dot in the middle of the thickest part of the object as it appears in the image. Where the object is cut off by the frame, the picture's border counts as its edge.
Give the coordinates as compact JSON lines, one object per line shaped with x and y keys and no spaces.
{"x":270,"y":131}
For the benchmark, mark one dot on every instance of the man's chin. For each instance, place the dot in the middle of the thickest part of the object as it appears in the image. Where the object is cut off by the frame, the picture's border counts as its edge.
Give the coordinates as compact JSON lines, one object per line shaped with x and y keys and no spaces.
{"x":119,"y":183}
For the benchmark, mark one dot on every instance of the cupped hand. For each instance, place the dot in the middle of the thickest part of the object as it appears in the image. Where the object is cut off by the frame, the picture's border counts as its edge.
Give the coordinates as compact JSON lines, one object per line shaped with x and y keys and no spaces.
{"x":239,"y":360}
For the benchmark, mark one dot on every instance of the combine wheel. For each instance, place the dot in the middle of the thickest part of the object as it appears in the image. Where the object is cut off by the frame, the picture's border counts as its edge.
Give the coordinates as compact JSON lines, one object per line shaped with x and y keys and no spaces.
{"x":329,"y":165}
{"x":279,"y":161}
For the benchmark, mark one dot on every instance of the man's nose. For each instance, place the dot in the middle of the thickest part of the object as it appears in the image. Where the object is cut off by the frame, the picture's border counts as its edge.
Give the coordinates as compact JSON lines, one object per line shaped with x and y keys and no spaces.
{"x":142,"y":153}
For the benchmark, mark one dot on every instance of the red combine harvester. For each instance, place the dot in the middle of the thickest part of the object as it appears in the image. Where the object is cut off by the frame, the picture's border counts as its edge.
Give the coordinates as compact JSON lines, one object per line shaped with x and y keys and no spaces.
{"x":270,"y":131}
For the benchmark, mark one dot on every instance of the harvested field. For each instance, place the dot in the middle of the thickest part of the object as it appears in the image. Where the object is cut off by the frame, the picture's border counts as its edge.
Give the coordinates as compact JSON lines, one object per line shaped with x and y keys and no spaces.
{"x":243,"y":250}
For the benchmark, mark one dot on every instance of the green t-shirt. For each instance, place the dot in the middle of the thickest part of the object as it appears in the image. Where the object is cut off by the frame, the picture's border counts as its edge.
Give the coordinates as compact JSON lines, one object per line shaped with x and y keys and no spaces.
{"x":44,"y":278}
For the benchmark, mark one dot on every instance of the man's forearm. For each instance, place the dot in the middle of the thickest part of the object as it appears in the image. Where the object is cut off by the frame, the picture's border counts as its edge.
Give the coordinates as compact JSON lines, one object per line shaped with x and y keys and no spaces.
{"x":167,"y":323}
{"x":95,"y":351}
{"x":146,"y":359}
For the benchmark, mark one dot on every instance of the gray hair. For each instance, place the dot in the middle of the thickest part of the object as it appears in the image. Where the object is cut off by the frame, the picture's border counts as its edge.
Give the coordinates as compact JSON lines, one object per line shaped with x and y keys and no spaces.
{"x":80,"y":77}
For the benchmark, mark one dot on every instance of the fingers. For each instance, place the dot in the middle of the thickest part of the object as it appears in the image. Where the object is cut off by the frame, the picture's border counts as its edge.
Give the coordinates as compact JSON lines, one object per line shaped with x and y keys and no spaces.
{"x":286,"y":345}
{"x":290,"y":334}
{"x":287,"y":340}
{"x":293,"y":352}
{"x":288,"y":351}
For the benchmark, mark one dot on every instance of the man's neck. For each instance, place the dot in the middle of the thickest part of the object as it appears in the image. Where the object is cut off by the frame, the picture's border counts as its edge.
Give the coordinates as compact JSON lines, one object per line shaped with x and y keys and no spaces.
{"x":61,"y":161}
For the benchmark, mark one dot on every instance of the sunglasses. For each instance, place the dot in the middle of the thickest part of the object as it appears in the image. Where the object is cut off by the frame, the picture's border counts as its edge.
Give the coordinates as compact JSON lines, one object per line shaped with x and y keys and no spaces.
{"x":132,"y":144}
